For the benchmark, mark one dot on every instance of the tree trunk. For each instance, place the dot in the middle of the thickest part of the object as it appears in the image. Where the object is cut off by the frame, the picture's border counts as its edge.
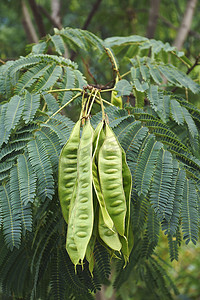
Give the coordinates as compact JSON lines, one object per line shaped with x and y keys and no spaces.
{"x":185,"y":25}
{"x":153,"y":18}
{"x":38,"y":18}
{"x":28,"y":25}
{"x":55,"y":9}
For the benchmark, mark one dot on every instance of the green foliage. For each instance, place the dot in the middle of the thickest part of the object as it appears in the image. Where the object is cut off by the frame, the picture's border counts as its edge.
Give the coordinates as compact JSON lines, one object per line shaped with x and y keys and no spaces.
{"x":159,"y":132}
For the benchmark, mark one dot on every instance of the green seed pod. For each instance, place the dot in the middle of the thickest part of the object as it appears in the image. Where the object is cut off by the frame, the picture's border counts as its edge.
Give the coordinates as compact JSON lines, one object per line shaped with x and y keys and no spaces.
{"x":109,"y":237}
{"x":84,"y":214}
{"x":91,"y":244}
{"x":111,"y":180}
{"x":127,"y":242}
{"x":67,"y":170}
{"x":98,"y":140}
{"x":70,"y":243}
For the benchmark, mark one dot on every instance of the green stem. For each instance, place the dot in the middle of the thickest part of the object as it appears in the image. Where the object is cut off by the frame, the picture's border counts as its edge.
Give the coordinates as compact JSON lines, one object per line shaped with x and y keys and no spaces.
{"x":76,"y":96}
{"x":108,"y":90}
{"x":125,"y":74}
{"x":174,"y":53}
{"x":113,"y":59}
{"x":64,"y":90}
{"x":99,"y":102}
{"x":102,"y":107}
{"x":89,"y":110}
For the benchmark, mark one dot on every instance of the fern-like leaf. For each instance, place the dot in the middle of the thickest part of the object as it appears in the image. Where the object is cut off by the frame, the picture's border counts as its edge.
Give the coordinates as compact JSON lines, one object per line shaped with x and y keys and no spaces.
{"x":13,"y":112}
{"x":153,"y":227}
{"x":31,"y":104}
{"x":62,"y":126}
{"x":4,"y":133}
{"x":173,"y":247}
{"x":155,"y":74}
{"x":52,"y":145}
{"x":170,"y":226}
{"x":49,"y":79}
{"x":193,"y":131}
{"x":161,"y":185}
{"x":69,"y":275}
{"x":27,"y":179}
{"x":51,"y":102}
{"x":22,"y":209}
{"x":41,"y":164}
{"x":176,"y":112}
{"x":58,"y":44}
{"x":31,"y":76}
{"x":56,"y":283}
{"x":11,"y":218}
{"x":68,"y":82}
{"x":102,"y":262}
{"x":146,"y":165}
{"x":189,"y":213}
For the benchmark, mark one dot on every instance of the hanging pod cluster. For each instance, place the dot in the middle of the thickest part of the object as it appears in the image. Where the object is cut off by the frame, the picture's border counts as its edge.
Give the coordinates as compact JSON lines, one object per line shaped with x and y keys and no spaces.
{"x":94,"y":185}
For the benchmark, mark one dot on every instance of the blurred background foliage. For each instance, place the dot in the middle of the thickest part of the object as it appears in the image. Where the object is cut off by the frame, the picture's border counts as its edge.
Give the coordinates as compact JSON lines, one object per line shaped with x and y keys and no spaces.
{"x":109,"y":18}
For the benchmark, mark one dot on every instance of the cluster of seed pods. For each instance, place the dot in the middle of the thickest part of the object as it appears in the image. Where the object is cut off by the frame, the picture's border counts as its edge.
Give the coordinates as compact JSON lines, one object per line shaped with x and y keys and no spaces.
{"x":94,"y":187}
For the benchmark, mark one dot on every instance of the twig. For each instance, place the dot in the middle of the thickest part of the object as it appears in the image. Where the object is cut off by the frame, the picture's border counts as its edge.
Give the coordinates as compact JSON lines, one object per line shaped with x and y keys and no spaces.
{"x":196,"y":63}
{"x":1,"y":61}
{"x":91,"y":14}
{"x":113,"y":62}
{"x":64,"y":90}
{"x":174,"y":53}
{"x":76,"y":96}
{"x":52,"y":20}
{"x":35,"y":9}
{"x":88,"y":70}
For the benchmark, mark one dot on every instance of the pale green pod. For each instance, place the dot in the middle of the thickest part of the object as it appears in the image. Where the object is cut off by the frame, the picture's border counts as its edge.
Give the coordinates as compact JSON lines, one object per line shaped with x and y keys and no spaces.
{"x":67,"y":170}
{"x":91,"y":244}
{"x":111,"y":180}
{"x":84,"y":214}
{"x":109,"y":237}
{"x":98,"y":140}
{"x":127,"y":242}
{"x":70,"y":243}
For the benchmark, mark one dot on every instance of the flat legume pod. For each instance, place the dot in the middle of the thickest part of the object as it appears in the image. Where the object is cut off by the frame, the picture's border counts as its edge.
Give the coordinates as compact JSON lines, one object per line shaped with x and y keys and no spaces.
{"x":91,"y":244}
{"x":111,"y":180}
{"x":84,"y":215}
{"x":70,"y":243}
{"x":109,"y":237}
{"x":127,"y":241}
{"x":67,"y":170}
{"x":98,"y":140}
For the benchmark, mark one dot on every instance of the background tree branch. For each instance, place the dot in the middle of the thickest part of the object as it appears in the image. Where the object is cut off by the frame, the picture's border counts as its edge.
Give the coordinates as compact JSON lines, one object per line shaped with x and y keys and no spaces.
{"x":185,"y":24}
{"x":55,"y":12}
{"x":49,"y":17}
{"x":153,"y":18}
{"x":91,"y":14}
{"x":28,"y":25}
{"x":38,"y":18}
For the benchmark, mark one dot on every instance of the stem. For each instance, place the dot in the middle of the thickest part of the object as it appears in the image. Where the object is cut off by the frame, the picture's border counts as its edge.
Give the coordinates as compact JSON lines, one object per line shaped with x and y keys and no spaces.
{"x":104,"y":101}
{"x":88,"y":102}
{"x":125,"y":74}
{"x":180,"y":59}
{"x":96,"y":91}
{"x":107,"y":90}
{"x":64,"y":90}
{"x":109,"y":52}
{"x":194,"y":65}
{"x":76,"y":96}
{"x":102,"y":107}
